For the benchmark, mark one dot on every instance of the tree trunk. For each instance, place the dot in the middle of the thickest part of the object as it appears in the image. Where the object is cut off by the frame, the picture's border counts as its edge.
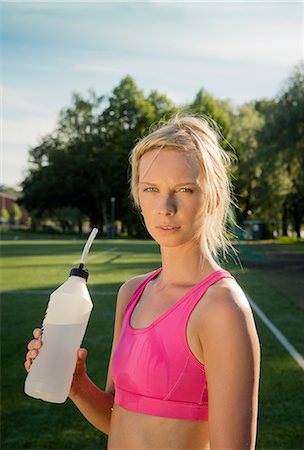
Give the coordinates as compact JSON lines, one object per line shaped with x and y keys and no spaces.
{"x":295,"y":211}
{"x":79,"y":226}
{"x":284,"y":220}
{"x":105,"y":217}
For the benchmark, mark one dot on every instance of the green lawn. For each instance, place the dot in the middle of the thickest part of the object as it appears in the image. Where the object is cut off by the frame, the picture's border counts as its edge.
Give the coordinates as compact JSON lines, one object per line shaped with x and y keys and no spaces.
{"x":32,"y":269}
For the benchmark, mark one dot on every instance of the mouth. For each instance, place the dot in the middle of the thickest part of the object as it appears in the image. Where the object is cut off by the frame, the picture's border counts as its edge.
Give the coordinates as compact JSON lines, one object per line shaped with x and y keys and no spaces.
{"x":167,"y":228}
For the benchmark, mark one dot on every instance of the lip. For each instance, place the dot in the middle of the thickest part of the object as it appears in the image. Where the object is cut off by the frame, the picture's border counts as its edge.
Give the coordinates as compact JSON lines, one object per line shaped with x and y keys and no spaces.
{"x":167,"y":227}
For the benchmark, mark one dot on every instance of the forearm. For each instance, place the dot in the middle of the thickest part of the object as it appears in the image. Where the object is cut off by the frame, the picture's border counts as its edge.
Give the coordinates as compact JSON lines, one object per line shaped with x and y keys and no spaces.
{"x":94,"y":404}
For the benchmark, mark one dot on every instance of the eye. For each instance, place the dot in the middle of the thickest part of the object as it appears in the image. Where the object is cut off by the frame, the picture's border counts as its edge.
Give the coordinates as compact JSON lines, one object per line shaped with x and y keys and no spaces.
{"x":150,"y":189}
{"x":186,"y":190}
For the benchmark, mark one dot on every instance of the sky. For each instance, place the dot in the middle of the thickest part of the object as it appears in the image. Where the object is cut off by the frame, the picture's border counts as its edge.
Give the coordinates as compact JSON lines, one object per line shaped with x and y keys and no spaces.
{"x":242,"y":50}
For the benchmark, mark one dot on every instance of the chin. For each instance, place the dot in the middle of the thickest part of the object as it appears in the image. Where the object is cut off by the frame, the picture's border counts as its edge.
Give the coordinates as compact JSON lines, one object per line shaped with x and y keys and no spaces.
{"x":169,"y":241}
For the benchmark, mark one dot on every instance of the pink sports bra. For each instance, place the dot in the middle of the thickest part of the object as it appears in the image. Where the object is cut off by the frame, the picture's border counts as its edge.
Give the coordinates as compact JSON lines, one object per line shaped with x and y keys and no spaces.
{"x":153,"y":369}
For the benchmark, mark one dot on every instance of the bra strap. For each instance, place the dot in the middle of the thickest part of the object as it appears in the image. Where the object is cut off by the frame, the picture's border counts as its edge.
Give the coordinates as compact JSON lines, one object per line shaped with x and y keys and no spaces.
{"x":202,"y":288}
{"x":140,"y":288}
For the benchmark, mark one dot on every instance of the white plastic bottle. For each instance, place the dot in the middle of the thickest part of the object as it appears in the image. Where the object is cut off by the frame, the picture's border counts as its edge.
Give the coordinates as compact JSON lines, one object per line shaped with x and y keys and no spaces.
{"x":64,"y":326}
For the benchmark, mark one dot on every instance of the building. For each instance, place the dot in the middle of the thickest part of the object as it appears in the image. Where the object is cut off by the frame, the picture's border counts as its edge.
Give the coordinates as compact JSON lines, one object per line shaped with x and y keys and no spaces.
{"x":7,"y":201}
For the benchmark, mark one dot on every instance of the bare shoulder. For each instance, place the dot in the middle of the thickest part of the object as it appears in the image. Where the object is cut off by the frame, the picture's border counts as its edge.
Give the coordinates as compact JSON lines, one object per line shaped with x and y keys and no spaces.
{"x":226,"y":323}
{"x":127,"y":289}
{"x":226,"y":294}
{"x":225,"y":305}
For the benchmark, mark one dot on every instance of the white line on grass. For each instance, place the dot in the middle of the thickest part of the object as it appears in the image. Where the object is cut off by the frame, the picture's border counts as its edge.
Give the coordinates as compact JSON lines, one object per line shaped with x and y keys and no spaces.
{"x":96,"y":255}
{"x":46,"y":292}
{"x":280,"y":337}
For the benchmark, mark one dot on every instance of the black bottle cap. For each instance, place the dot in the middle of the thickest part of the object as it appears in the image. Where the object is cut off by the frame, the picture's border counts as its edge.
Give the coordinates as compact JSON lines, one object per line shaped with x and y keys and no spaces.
{"x":80,"y":272}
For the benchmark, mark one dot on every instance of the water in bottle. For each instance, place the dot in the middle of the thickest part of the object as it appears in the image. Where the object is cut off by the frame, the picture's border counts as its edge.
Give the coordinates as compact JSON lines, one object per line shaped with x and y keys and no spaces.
{"x":64,"y":326}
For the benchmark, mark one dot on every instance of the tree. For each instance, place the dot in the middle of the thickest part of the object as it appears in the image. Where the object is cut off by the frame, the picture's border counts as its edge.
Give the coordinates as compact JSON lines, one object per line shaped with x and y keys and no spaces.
{"x":84,"y":162}
{"x":219,"y":112}
{"x":15,"y":214}
{"x":283,"y":137}
{"x":163,"y":106}
{"x":246,"y":124}
{"x":65,"y":167}
{"x":128,"y":117}
{"x":4,"y":215}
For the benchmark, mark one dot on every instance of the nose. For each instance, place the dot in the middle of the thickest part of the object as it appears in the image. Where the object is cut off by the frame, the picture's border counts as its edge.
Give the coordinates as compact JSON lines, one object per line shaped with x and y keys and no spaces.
{"x":167,"y":206}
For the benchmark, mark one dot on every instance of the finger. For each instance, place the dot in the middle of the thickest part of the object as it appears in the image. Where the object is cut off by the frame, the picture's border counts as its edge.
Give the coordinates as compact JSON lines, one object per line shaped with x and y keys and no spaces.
{"x":27,"y":365}
{"x":34,"y":344}
{"x":37,"y":333}
{"x":32,"y":354}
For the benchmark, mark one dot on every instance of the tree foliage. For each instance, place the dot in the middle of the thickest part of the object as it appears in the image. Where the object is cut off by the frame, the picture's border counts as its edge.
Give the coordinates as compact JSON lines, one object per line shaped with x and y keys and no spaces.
{"x":282,"y":151}
{"x":76,"y":170}
{"x":15,"y":213}
{"x":84,"y":162}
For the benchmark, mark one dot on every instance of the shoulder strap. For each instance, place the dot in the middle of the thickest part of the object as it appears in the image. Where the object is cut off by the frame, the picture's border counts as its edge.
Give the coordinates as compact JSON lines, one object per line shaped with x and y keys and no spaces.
{"x":211,"y":279}
{"x":199,"y":290}
{"x":140,"y":288}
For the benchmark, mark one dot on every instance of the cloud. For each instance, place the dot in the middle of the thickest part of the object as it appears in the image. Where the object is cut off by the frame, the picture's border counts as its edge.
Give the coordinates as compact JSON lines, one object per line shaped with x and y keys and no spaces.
{"x":20,"y":100}
{"x":26,"y":131}
{"x":14,"y":165}
{"x":269,"y":33}
{"x":96,"y":66}
{"x":234,"y":49}
{"x":18,"y":137}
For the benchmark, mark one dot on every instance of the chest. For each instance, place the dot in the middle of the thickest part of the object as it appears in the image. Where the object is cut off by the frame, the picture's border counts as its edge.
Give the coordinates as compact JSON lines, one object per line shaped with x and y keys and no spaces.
{"x":152,"y":305}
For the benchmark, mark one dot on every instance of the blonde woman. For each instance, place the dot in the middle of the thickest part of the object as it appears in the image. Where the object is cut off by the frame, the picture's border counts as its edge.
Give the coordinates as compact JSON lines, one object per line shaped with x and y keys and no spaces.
{"x":185,"y":362}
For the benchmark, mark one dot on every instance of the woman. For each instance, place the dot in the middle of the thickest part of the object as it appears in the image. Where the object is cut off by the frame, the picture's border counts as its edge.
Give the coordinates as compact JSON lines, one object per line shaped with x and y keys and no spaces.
{"x":184,"y":367}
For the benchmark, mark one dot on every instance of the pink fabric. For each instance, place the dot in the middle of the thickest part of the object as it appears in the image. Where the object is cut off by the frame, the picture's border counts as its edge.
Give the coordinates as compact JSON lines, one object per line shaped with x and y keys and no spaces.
{"x":153,"y":368}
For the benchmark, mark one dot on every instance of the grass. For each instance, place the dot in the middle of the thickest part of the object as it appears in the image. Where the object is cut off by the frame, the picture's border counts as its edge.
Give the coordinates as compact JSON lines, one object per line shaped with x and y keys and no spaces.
{"x":282,"y":381}
{"x":30,"y":267}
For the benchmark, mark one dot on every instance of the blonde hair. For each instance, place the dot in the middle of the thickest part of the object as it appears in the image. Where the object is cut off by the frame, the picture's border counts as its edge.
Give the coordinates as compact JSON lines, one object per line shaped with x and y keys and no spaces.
{"x":195,"y":135}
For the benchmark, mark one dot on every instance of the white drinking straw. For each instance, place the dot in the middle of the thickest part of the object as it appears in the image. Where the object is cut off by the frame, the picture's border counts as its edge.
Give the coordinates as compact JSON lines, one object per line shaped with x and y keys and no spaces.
{"x":87,"y":247}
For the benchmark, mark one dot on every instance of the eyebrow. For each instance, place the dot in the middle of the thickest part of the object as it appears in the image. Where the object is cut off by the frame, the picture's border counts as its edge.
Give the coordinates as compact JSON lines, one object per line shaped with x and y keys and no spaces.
{"x":177,"y":185}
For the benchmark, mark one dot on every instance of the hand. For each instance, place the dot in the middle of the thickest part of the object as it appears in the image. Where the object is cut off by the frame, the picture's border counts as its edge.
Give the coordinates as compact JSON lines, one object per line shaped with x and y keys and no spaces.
{"x":80,"y":374}
{"x":33,"y":347}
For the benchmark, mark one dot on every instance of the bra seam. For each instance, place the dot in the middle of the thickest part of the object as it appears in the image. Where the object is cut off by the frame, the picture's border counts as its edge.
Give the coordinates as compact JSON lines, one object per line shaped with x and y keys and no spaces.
{"x":195,"y":405}
{"x":166,"y":398}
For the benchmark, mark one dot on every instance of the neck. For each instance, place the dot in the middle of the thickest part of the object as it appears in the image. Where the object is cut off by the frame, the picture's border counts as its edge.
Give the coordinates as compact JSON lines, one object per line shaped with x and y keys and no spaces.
{"x":185,"y":265}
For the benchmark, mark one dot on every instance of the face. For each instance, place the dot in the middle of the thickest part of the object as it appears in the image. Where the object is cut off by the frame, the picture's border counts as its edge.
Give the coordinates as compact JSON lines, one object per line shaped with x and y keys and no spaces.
{"x":171,"y":197}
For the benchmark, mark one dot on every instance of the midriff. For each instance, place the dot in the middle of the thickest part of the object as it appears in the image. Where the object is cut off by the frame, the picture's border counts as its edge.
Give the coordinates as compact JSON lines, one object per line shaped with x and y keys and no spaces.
{"x":134,"y":431}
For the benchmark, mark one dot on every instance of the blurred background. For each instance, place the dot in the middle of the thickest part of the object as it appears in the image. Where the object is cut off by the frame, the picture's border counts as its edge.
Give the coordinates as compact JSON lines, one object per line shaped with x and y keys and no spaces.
{"x":83,"y":81}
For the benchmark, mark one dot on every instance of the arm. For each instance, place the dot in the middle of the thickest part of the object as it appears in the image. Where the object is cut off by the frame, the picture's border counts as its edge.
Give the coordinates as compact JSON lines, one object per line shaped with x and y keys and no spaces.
{"x":94,"y":404}
{"x":232,"y":360}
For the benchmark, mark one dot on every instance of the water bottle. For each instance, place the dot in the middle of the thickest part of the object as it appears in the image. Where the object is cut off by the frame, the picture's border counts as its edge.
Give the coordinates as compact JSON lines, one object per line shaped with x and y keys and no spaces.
{"x":64,"y":326}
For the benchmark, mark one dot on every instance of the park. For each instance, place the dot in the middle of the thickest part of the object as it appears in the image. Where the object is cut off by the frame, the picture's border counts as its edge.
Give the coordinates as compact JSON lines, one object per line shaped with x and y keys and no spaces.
{"x":37,"y":255}
{"x":270,"y":273}
{"x":84,"y":83}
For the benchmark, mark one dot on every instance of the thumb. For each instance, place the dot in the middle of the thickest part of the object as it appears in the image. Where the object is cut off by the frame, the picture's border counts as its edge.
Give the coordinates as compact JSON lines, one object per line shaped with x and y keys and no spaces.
{"x":82,"y":354}
{"x":81,"y":360}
